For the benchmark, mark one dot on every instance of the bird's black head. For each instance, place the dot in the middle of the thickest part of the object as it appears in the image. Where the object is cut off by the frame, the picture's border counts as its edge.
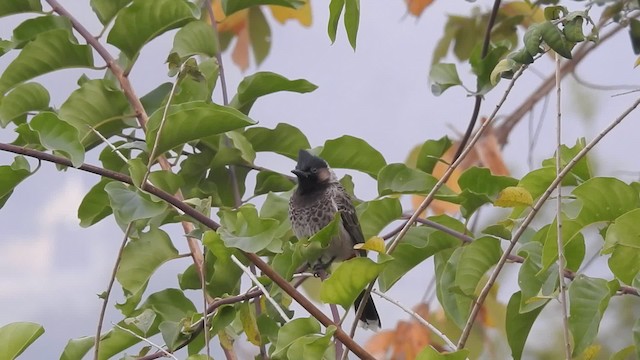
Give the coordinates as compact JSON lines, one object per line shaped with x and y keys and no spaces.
{"x":313,"y":172}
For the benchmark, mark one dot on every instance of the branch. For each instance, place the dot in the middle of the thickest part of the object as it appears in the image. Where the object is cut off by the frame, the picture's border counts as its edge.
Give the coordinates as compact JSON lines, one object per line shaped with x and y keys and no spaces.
{"x":419,"y":318}
{"x":163,"y":351}
{"x":536,"y":207}
{"x":204,"y":220}
{"x":560,"y":243}
{"x":107,"y":293}
{"x":478,"y":102}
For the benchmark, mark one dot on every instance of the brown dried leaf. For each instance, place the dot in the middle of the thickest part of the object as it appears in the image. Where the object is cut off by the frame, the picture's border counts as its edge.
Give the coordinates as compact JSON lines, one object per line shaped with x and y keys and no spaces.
{"x":240,"y":54}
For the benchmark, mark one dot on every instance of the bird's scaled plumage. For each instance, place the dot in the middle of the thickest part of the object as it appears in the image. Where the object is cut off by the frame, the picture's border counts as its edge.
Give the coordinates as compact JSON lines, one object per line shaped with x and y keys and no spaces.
{"x":313,"y":205}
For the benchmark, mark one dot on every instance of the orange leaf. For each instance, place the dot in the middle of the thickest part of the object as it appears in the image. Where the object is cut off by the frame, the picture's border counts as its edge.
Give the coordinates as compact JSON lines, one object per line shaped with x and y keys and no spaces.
{"x":240,"y":54}
{"x":302,"y":14}
{"x":416,"y":7}
{"x":234,"y":23}
{"x":379,"y":344}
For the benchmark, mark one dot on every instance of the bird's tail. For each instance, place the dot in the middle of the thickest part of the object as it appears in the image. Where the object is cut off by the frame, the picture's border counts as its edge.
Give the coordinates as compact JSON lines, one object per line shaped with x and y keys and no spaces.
{"x":370,"y":318}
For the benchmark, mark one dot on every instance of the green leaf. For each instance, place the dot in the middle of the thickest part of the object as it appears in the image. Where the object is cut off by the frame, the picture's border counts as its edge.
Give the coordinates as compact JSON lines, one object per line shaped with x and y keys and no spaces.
{"x":22,"y":99}
{"x":59,"y":136}
{"x":352,"y":20}
{"x":143,"y":322}
{"x":11,"y":176}
{"x":483,"y":67}
{"x":335,"y":10}
{"x":96,"y":105}
{"x":553,"y":37}
{"x":623,"y":243}
{"x":142,"y":257}
{"x":30,"y":28}
{"x":636,"y":336}
{"x":353,"y":153}
{"x":49,"y":51}
{"x":573,"y":29}
{"x":192,"y":121}
{"x":77,"y":348}
{"x":400,"y":179}
{"x":419,"y":244}
{"x":624,"y":354}
{"x":581,"y":171}
{"x":604,"y":199}
{"x":144,"y":20}
{"x":348,"y":280}
{"x":129,"y":205}
{"x":268,"y":181}
{"x":375,"y":215}
{"x":588,"y":299}
{"x":442,"y":77}
{"x":634,"y":33}
{"x":16,"y":338}
{"x":249,"y":324}
{"x":429,"y":353}
{"x":292,"y":331}
{"x":156,"y":97}
{"x":195,"y":38}
{"x":570,"y":233}
{"x":431,"y":152}
{"x":245,"y":230}
{"x":231,"y":6}
{"x":314,"y":247}
{"x":458,"y":277}
{"x":259,"y":34}
{"x":170,"y":305}
{"x":284,"y":139}
{"x":518,"y":325}
{"x":225,"y":275}
{"x":265,"y":83}
{"x":537,"y":287}
{"x":95,"y":205}
{"x":20,"y":6}
{"x":106,"y":10}
{"x":481,"y":181}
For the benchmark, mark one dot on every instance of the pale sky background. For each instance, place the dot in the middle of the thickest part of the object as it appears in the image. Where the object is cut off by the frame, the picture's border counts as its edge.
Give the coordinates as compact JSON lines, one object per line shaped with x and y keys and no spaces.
{"x":51,"y":269}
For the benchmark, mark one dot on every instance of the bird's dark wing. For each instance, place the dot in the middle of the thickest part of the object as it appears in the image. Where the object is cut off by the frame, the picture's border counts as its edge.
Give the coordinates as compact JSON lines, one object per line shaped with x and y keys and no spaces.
{"x":349,"y":216}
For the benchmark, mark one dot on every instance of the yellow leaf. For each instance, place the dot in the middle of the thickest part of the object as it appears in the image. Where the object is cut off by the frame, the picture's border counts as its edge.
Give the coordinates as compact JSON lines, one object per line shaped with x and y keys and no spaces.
{"x":513,"y":196}
{"x":591,"y":352}
{"x":249,"y":324}
{"x":416,"y":7}
{"x":302,"y":14}
{"x":225,"y":340}
{"x":234,"y":23}
{"x":635,"y":64}
{"x":375,"y":243}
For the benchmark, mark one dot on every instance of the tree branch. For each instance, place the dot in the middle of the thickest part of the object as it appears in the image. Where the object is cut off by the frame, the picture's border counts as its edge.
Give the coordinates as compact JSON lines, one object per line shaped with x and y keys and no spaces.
{"x":204,"y":220}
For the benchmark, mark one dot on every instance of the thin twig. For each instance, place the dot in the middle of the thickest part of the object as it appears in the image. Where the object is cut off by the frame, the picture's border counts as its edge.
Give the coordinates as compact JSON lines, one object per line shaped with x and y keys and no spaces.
{"x":525,"y":223}
{"x":165,"y":352}
{"x":478,"y":101}
{"x":560,"y":242}
{"x":107,"y":293}
{"x":419,"y":318}
{"x":257,"y":283}
{"x":336,"y":316}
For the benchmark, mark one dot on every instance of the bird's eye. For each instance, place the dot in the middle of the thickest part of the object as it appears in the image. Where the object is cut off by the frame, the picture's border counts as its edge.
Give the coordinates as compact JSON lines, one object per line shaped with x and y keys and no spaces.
{"x":314,"y":170}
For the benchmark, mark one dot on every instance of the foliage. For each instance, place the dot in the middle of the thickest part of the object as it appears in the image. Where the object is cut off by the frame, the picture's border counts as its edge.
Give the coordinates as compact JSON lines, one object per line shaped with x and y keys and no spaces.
{"x":180,"y":141}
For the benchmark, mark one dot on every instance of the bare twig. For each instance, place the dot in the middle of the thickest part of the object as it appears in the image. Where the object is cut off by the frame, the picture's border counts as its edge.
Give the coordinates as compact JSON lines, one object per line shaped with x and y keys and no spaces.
{"x":107,"y":293}
{"x":525,"y":223}
{"x":164,"y":352}
{"x":561,"y":260}
{"x":419,"y":318}
{"x":257,"y":283}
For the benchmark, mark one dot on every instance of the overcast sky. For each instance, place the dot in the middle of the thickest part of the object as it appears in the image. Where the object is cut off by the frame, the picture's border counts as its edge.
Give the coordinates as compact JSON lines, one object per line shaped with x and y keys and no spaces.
{"x":51,"y":269}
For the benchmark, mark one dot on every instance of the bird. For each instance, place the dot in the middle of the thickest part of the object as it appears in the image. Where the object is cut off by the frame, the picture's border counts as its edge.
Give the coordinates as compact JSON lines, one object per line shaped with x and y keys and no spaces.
{"x":313,"y":205}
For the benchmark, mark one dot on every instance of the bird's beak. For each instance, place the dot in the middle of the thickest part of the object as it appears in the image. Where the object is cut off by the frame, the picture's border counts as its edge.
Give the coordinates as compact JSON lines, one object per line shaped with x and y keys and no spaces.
{"x":299,"y":173}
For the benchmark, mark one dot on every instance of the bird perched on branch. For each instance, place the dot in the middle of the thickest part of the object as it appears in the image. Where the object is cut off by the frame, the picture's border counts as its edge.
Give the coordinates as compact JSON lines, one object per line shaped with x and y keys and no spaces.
{"x":313,"y":205}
